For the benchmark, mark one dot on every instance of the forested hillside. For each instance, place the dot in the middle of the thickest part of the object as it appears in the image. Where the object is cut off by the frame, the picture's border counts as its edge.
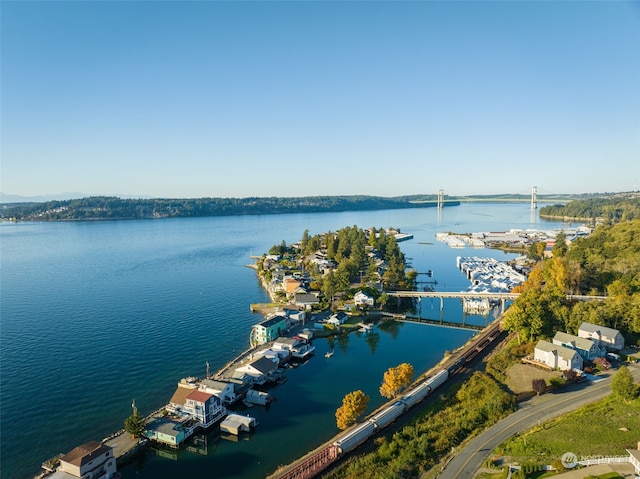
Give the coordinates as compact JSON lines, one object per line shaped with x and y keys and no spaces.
{"x":606,"y":263}
{"x":109,"y":208}
{"x":611,"y":209}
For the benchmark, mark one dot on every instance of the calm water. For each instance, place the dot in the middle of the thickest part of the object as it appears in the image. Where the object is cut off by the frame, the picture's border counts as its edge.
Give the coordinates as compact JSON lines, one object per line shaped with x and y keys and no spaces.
{"x":96,"y":314}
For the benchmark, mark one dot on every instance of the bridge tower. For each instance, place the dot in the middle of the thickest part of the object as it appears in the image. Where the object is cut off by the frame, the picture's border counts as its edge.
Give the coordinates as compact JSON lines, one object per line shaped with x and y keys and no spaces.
{"x":440,"y":198}
{"x":534,"y":197}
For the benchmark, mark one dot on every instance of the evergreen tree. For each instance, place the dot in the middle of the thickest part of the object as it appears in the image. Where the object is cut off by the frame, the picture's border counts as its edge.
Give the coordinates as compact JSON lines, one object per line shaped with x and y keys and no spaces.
{"x":135,"y":424}
{"x":560,"y":248}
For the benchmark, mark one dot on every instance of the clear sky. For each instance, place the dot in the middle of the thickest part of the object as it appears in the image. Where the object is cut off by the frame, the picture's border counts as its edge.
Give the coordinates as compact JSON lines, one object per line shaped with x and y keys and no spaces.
{"x":298,"y":98}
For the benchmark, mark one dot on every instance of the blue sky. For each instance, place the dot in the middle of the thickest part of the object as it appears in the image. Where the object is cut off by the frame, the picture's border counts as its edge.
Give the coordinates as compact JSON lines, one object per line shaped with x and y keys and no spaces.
{"x":297,"y":98}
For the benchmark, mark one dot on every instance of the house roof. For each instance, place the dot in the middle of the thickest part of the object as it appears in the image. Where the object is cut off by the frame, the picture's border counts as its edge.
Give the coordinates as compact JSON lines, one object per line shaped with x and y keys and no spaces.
{"x":264,"y":365}
{"x":273,"y":320}
{"x":565,"y":353}
{"x":238,"y":375}
{"x":85,"y":453}
{"x":584,"y":344}
{"x":286,"y":341}
{"x":199,"y":396}
{"x":180,"y":396}
{"x":306,"y":298}
{"x":215,"y":385}
{"x":602,"y":330}
{"x":165,"y":426}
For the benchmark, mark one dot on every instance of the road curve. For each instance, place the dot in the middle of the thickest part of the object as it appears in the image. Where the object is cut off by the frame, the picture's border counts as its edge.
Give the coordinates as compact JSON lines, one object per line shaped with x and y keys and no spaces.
{"x":535,"y":411}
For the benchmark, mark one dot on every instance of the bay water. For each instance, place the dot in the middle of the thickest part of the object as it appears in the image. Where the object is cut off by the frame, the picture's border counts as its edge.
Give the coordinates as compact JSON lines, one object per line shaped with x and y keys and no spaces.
{"x":96,"y":314}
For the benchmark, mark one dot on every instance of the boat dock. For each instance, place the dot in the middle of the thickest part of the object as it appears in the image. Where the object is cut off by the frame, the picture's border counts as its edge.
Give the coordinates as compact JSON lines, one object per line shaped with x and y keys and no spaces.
{"x":236,"y":424}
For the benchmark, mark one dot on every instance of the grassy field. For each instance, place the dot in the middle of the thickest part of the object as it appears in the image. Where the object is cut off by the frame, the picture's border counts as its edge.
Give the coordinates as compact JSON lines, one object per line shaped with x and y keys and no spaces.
{"x":605,"y":428}
{"x":520,"y":377}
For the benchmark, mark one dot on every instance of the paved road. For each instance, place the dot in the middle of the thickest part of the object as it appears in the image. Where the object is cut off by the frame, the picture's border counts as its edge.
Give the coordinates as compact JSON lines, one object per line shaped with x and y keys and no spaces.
{"x":535,"y":411}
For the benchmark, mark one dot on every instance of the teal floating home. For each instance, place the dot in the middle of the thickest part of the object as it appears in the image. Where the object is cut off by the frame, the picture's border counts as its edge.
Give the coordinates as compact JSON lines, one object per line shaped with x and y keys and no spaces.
{"x":268,"y":330}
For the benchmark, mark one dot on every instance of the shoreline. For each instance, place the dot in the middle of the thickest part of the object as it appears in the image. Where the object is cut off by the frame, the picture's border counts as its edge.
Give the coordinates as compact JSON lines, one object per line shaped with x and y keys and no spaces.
{"x":126,"y":448}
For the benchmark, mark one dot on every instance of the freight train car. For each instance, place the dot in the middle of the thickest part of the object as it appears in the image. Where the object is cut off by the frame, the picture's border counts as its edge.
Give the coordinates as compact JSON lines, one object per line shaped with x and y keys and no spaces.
{"x":354,"y":437}
{"x":437,"y":380}
{"x":417,"y":394}
{"x":363,"y":431}
{"x":388,"y":414}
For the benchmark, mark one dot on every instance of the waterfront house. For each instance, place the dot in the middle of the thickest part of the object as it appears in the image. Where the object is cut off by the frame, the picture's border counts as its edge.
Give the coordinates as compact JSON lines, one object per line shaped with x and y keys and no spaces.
{"x":363,"y":299}
{"x":179,"y":398}
{"x":306,"y":300}
{"x":295,"y":315}
{"x":338,"y":318}
{"x":167,"y":431}
{"x":297,"y":347}
{"x":291,"y":285}
{"x":241,"y":378}
{"x":224,"y":390}
{"x":268,"y":330}
{"x":286,"y":344}
{"x":261,"y":370}
{"x":557,"y":357}
{"x":278,"y":356}
{"x":586,"y":348}
{"x":88,"y":461}
{"x":608,"y":338}
{"x":204,"y":407}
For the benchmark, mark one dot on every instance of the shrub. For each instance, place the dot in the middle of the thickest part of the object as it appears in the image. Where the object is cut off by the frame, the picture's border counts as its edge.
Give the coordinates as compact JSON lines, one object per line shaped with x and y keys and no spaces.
{"x":557,"y":383}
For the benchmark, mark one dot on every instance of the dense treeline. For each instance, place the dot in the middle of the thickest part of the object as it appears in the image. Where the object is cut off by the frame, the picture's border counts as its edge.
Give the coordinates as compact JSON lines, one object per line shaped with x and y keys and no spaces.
{"x":615,"y":209}
{"x":106,"y":207}
{"x":360,"y":257}
{"x":607,"y":263}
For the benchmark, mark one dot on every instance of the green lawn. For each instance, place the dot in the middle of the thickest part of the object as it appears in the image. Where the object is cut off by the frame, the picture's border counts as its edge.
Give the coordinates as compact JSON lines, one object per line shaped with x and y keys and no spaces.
{"x":605,"y":428}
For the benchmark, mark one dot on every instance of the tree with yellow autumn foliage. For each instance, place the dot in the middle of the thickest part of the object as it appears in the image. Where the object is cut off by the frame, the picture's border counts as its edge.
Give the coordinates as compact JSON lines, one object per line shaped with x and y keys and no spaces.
{"x":396,"y":379}
{"x":353,"y":405}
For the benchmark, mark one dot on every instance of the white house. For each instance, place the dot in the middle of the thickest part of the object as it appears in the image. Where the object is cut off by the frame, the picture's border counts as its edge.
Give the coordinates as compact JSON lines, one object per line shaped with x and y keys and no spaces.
{"x":278,"y":356}
{"x":337,"y":319}
{"x":363,"y":299}
{"x":222,"y":389}
{"x":90,"y":460}
{"x":584,"y":346}
{"x":604,"y":337}
{"x":261,"y":370}
{"x":295,"y":315}
{"x":557,"y":357}
{"x":287,"y":344}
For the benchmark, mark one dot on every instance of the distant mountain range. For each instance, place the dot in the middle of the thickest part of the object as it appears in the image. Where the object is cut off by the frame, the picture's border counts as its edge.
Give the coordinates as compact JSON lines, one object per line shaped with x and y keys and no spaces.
{"x":5,"y":198}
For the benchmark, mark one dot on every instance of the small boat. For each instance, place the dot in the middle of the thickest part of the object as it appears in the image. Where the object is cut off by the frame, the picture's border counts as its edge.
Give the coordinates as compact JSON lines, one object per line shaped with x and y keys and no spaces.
{"x":303,"y":352}
{"x":328,"y":354}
